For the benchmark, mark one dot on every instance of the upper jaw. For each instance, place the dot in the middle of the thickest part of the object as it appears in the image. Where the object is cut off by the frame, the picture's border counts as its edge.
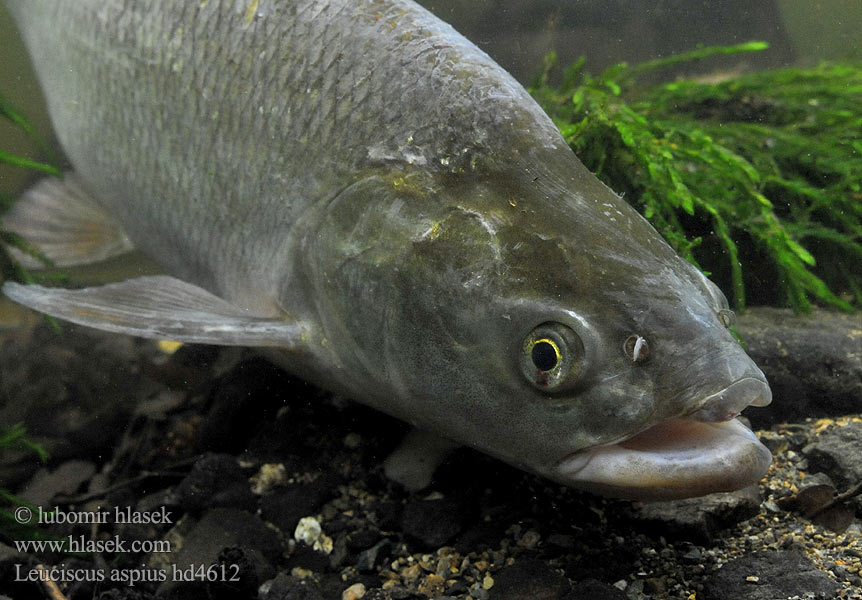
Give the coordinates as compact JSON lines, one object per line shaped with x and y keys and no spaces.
{"x":729,"y":402}
{"x":705,"y":451}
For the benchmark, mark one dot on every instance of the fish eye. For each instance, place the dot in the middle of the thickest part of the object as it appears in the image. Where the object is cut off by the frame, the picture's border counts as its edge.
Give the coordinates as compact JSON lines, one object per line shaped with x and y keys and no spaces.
{"x":552,"y":356}
{"x":727,"y":317}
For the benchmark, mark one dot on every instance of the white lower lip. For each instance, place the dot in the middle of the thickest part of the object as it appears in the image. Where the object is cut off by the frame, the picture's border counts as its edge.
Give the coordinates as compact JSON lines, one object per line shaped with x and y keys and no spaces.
{"x":675,"y":459}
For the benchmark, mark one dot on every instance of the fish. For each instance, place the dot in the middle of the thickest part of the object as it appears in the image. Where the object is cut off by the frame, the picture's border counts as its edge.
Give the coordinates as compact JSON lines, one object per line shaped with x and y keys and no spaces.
{"x":359,"y":191}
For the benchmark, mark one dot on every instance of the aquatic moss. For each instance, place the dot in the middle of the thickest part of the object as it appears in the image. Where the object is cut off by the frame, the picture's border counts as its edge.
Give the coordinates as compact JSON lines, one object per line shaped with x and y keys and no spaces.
{"x":755,"y":179}
{"x":11,"y":527}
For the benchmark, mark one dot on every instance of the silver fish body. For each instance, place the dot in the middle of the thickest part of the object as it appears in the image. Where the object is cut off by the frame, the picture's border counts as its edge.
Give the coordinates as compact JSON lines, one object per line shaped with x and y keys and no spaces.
{"x":358,"y":170}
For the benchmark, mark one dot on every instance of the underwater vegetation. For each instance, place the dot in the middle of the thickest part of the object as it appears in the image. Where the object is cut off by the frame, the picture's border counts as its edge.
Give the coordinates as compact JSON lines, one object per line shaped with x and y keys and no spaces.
{"x":756,"y":179}
{"x":14,"y":438}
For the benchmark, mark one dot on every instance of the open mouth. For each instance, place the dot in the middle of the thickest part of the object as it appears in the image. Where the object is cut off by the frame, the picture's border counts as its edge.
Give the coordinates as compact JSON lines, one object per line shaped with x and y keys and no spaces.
{"x":704,"y":452}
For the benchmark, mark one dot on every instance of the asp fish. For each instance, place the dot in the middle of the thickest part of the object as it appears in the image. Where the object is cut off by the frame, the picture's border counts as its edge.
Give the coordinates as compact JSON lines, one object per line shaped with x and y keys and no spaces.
{"x":358,"y":187}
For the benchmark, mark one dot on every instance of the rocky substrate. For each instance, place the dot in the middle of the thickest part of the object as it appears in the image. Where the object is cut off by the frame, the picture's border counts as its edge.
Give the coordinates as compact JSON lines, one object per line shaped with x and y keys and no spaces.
{"x":257,"y":485}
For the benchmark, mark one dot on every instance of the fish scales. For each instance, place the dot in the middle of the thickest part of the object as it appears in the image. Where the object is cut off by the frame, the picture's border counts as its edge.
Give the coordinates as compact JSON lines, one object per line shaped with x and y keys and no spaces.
{"x":355,"y":184}
{"x":213,"y":77}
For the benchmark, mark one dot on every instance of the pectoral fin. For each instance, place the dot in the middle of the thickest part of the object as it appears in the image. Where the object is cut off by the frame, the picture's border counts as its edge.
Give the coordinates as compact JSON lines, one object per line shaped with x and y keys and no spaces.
{"x":63,"y":221}
{"x":159,"y":307}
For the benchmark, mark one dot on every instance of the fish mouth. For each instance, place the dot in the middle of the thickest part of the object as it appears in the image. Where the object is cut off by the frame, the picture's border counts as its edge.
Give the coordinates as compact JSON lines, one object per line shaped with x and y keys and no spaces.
{"x":706,"y":451}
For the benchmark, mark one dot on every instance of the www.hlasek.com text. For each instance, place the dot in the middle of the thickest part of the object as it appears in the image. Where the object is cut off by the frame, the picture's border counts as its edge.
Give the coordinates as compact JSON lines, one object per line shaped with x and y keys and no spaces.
{"x":74,"y":544}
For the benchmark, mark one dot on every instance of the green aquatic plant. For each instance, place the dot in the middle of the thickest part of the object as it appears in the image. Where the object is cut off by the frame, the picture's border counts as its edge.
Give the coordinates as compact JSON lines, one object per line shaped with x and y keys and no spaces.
{"x":12,"y":525}
{"x":755,"y":179}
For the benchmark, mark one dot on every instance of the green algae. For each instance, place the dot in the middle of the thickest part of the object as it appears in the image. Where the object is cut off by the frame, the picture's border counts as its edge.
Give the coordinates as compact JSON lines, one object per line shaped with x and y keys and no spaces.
{"x":755,"y":179}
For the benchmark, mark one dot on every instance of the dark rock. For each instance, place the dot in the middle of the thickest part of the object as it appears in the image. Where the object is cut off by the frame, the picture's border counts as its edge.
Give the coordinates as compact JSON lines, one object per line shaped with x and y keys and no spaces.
{"x":216,"y":480}
{"x":528,"y":578}
{"x":284,"y":507}
{"x":227,"y":528}
{"x":656,"y":586}
{"x":369,"y":559}
{"x":244,"y":570}
{"x":768,"y":575}
{"x":815,"y":502}
{"x":813,"y":362}
{"x":838,"y":453}
{"x":481,"y":536}
{"x":287,"y":587}
{"x":433,"y":522}
{"x":591,"y":589}
{"x":339,"y":555}
{"x":611,"y":565}
{"x":692,"y":555}
{"x":697,"y":519}
{"x":360,"y":540}
{"x":387,"y":514}
{"x":65,"y":479}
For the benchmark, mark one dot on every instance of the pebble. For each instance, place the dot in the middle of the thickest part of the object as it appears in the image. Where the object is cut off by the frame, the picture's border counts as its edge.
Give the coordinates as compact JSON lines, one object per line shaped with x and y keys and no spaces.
{"x":354,"y":592}
{"x":268,"y":477}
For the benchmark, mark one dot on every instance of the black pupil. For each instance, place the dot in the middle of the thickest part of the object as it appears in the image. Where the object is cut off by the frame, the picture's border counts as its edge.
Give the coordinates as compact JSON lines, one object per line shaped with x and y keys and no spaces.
{"x":544,"y":356}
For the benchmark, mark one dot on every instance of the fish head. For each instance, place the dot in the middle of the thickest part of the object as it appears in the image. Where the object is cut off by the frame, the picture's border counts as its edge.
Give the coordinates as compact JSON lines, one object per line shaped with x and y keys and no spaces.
{"x":556,"y":330}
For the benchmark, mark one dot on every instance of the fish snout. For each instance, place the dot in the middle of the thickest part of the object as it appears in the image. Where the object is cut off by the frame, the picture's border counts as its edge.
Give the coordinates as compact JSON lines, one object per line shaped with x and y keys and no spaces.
{"x":729,"y":402}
